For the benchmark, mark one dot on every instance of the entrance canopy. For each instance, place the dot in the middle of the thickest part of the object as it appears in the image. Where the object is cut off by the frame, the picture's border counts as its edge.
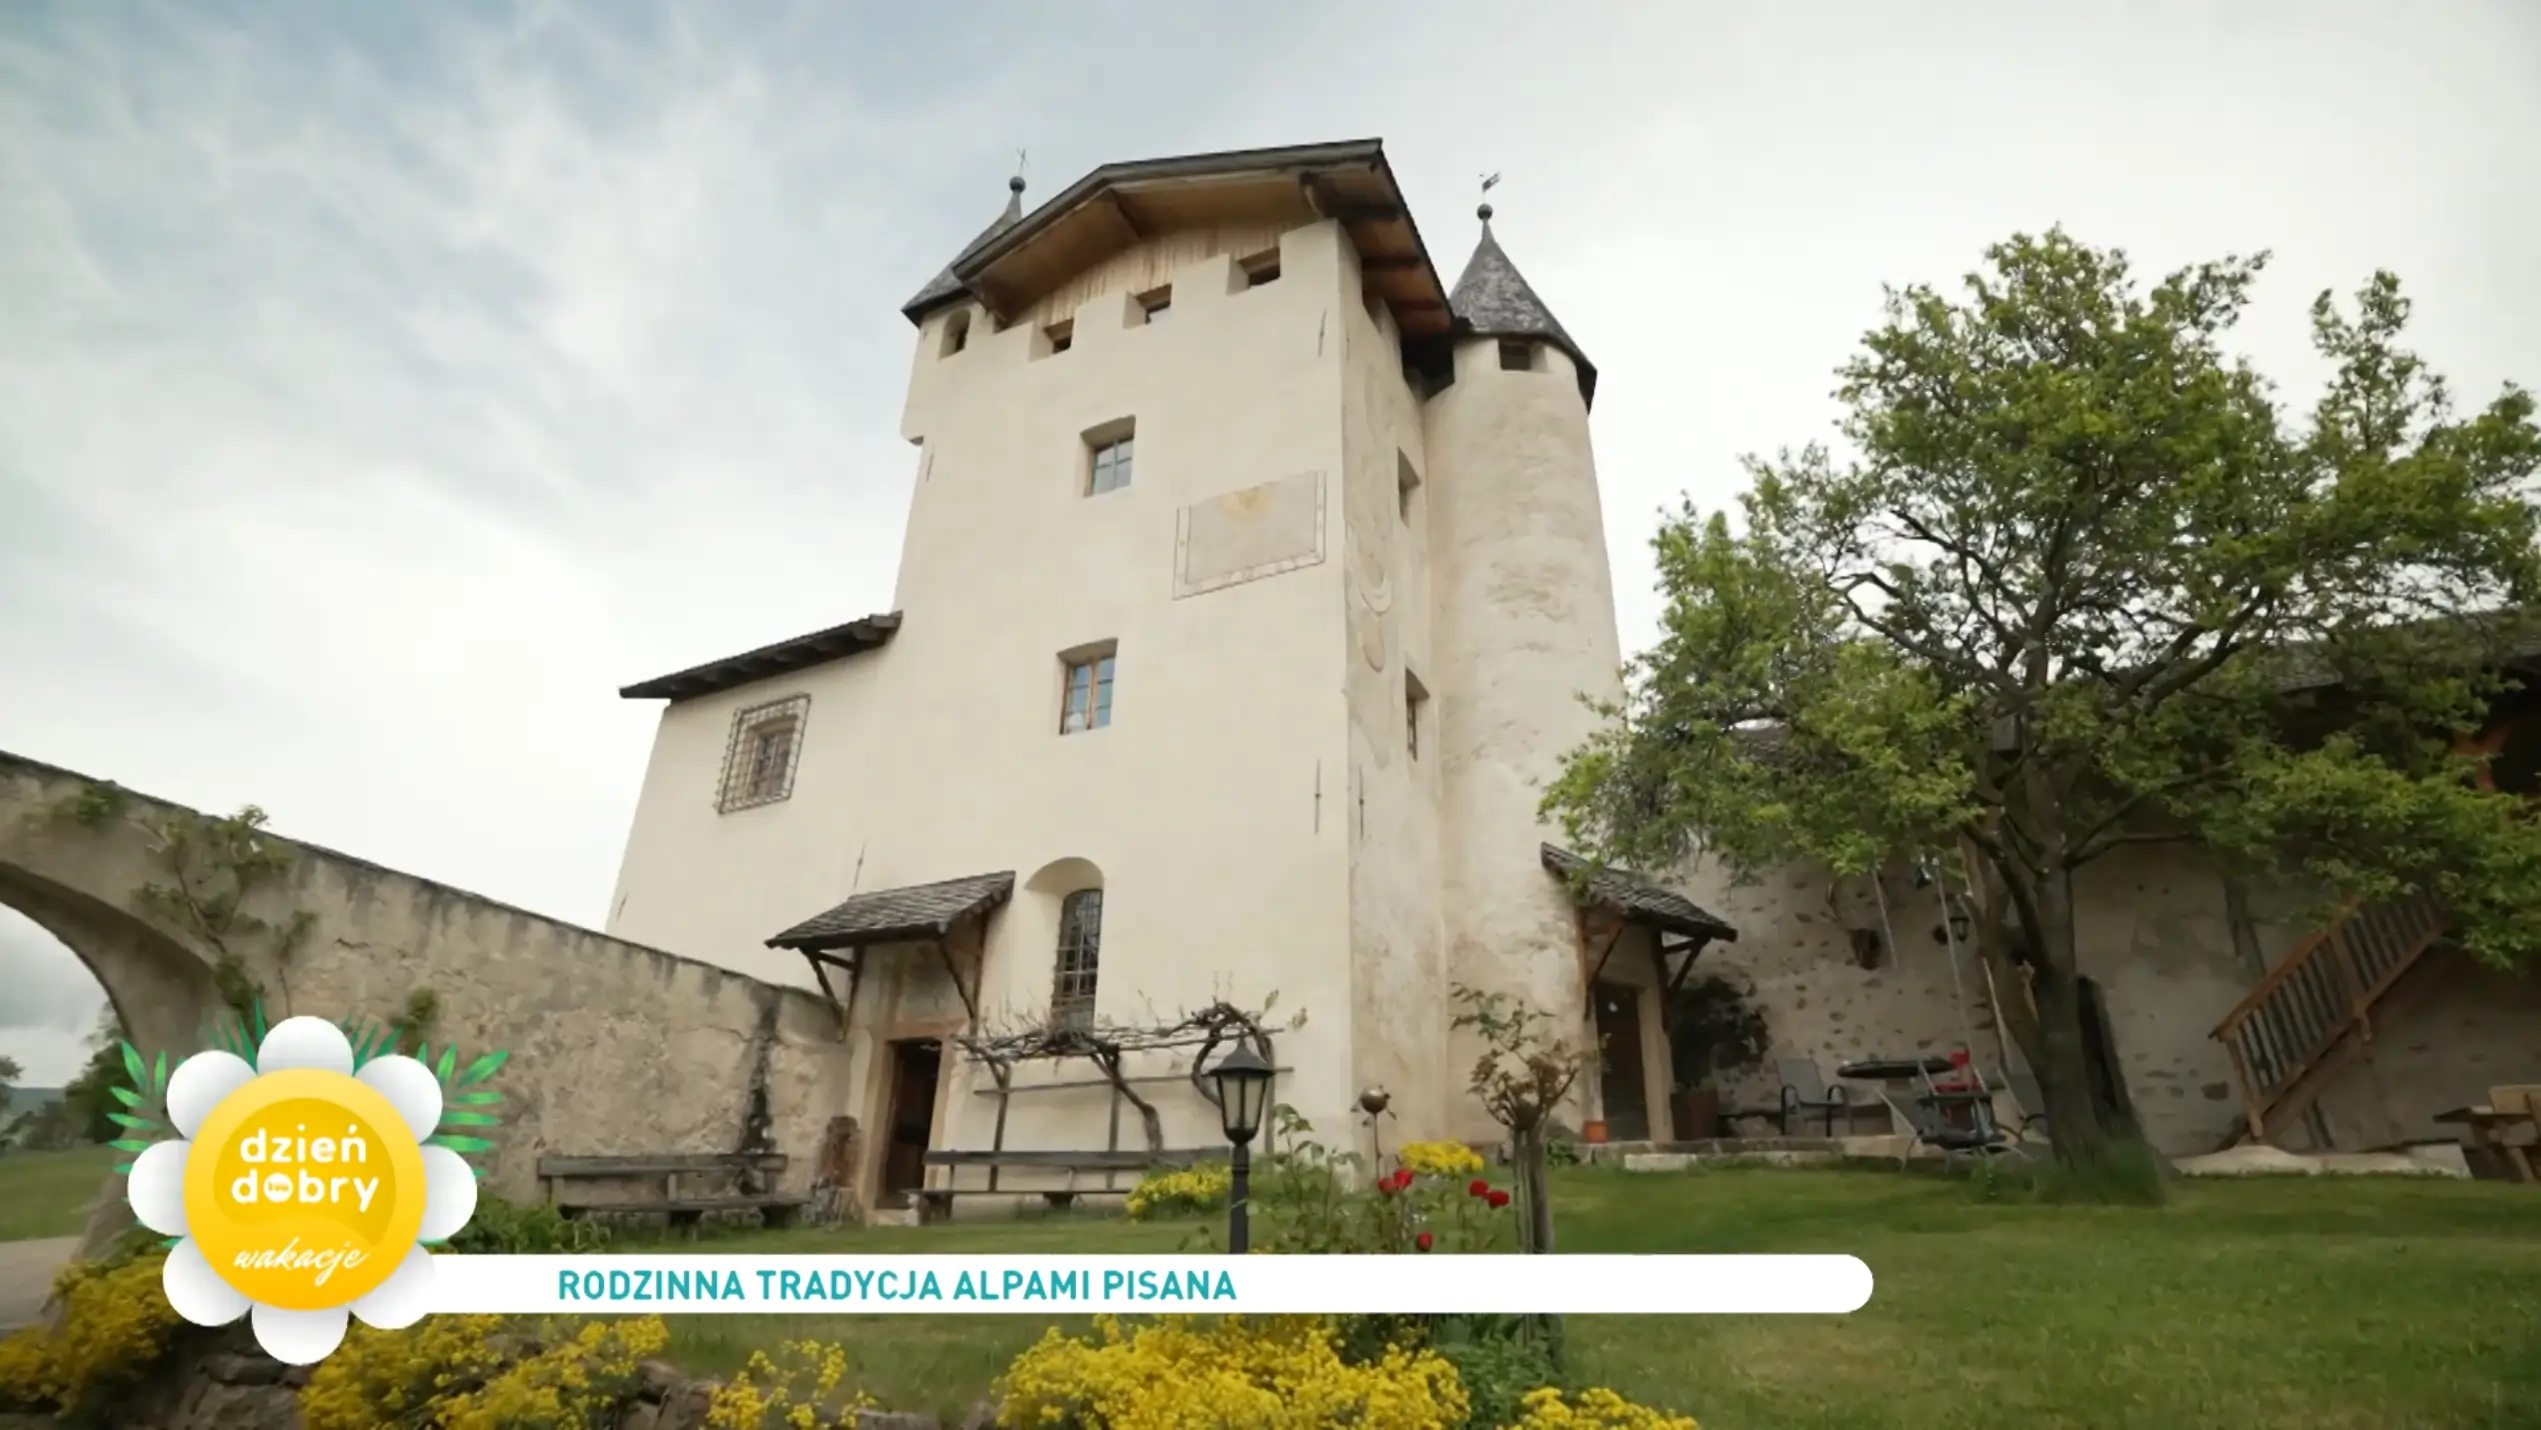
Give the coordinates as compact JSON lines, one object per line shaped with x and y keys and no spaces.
{"x":1679,"y":927}
{"x":919,"y":913}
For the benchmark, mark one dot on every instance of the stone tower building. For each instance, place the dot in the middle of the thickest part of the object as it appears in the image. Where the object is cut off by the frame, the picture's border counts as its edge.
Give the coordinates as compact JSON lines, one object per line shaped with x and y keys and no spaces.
{"x":1251,"y":580}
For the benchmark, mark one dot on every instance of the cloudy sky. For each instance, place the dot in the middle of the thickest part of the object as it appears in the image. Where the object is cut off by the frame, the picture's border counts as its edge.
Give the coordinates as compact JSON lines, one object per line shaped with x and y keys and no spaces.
{"x":383,"y":385}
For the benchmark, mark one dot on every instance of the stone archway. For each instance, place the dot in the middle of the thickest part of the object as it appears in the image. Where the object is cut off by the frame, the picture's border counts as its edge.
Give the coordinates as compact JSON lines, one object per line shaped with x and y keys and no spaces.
{"x":81,"y":889}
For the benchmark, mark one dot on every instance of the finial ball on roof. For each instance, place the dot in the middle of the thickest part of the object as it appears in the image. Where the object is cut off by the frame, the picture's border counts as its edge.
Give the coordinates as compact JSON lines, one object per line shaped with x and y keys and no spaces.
{"x":1483,"y":213}
{"x":1015,"y":184}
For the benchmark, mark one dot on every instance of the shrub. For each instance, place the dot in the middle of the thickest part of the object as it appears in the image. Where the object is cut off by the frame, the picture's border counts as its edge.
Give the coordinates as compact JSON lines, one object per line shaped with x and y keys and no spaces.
{"x":1268,"y":1373}
{"x":1307,"y":1201}
{"x":800,"y":1388}
{"x":1440,"y":1159}
{"x":1498,"y":1369}
{"x":503,"y":1228}
{"x":115,"y":1326}
{"x":1190,"y":1191}
{"x":482,"y":1373}
{"x":1598,"y":1409}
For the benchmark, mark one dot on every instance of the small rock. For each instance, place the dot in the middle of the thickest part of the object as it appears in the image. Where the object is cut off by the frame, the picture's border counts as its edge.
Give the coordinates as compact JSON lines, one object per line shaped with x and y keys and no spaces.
{"x":685,"y":1407}
{"x":642,"y":1415}
{"x":244,"y":1369}
{"x":659,"y":1378}
{"x":896,"y":1420}
{"x":983,"y":1416}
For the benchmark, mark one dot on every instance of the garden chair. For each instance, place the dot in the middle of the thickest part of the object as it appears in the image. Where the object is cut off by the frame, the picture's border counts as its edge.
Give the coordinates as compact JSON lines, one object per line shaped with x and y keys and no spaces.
{"x":1958,"y":1119}
{"x":1804,"y":1090}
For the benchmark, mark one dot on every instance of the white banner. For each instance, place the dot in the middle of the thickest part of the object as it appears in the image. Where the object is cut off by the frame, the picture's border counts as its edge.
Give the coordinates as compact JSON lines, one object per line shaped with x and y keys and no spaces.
{"x":1150,"y":1285}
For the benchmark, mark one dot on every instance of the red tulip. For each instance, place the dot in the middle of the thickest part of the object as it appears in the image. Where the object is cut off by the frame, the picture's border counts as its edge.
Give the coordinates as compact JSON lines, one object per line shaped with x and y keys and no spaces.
{"x":1424,"y":1241}
{"x":1498,"y":1199}
{"x":1403,"y":1179}
{"x":1477,"y":1188}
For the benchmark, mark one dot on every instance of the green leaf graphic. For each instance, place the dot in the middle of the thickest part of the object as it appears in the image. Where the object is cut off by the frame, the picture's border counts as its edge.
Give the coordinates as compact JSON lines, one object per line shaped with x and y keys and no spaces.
{"x":133,"y":1065}
{"x":137,"y":1124}
{"x":469,"y":1119}
{"x":483,"y":1068}
{"x":460,"y":1144}
{"x":159,"y":1074}
{"x":477,"y":1097}
{"x":449,"y":1057}
{"x":126,"y":1096}
{"x":132,"y":1144}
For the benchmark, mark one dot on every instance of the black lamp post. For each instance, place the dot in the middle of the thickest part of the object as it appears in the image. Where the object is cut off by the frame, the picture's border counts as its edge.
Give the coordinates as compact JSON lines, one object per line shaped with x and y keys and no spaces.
{"x":1244,"y":1084}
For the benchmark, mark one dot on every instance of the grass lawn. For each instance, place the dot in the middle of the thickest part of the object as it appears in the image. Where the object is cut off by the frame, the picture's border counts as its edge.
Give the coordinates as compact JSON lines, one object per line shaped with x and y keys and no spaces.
{"x":2319,"y":1303}
{"x":47,"y":1193}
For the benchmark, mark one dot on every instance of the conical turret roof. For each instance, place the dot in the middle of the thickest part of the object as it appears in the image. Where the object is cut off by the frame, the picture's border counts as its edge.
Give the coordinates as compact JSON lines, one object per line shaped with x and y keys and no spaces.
{"x":944,"y":285}
{"x":1494,"y":300}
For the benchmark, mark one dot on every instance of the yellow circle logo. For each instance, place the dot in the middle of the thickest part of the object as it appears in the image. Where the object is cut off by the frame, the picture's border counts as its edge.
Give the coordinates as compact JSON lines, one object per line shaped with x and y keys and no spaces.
{"x":304,"y":1190}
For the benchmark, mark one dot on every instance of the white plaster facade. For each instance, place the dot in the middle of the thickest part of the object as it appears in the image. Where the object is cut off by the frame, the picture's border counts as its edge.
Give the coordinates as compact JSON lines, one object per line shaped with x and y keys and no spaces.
{"x":1305,"y":542}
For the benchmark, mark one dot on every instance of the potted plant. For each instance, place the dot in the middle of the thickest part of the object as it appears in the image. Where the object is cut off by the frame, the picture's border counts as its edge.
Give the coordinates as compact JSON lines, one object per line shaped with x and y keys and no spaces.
{"x":1714,"y":1032}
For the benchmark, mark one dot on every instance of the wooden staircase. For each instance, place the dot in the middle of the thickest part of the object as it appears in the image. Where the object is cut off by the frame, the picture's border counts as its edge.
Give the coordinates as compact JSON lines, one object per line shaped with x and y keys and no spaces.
{"x":2313,"y":1013}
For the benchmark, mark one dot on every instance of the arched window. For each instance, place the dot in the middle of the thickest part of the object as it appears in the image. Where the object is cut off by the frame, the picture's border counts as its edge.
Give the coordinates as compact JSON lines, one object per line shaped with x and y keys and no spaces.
{"x":1080,"y":954}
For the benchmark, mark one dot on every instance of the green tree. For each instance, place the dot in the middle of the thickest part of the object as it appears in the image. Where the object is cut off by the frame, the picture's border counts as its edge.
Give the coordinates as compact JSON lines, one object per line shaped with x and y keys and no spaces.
{"x":88,"y":1100}
{"x":2080,"y":581}
{"x":10,"y":1072}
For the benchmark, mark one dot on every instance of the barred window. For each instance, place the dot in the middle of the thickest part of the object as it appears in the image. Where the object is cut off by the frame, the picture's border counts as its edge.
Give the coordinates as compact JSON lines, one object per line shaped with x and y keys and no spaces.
{"x":1080,"y":954}
{"x":758,"y":763}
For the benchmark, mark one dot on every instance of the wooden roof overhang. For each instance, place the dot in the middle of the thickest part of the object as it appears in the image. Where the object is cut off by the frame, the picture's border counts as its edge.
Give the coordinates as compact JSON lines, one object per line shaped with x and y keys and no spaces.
{"x":919,"y":913}
{"x":768,"y":661}
{"x":1679,"y":928}
{"x":1119,"y":205}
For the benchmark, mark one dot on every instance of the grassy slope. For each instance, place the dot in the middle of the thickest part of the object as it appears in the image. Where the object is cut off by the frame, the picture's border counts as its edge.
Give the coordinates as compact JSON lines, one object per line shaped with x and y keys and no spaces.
{"x":2313,"y":1303}
{"x":47,"y":1193}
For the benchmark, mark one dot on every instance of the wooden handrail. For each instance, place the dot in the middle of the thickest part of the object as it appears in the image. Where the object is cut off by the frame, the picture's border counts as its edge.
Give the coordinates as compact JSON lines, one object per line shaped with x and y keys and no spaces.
{"x":2285,"y":968}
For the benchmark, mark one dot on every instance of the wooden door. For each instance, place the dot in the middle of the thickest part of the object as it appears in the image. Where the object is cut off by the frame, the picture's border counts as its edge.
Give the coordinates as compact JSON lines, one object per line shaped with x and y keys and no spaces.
{"x":1622,"y":1080}
{"x":916,"y":1067}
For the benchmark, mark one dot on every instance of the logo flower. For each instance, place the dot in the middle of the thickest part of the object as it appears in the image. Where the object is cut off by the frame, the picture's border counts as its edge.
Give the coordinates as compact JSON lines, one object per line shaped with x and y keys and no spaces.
{"x":301,"y":1188}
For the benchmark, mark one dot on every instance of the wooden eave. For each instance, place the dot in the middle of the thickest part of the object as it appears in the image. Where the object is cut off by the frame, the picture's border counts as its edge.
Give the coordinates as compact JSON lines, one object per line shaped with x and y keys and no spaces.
{"x":1119,"y":205}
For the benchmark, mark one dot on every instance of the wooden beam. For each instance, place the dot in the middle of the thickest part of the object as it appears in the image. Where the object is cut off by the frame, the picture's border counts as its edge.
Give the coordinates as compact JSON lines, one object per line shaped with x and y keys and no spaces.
{"x":1588,"y":990}
{"x":1318,"y":197}
{"x":1111,"y":204}
{"x":1388,"y":264}
{"x":1692,"y":948}
{"x":1348,"y":212}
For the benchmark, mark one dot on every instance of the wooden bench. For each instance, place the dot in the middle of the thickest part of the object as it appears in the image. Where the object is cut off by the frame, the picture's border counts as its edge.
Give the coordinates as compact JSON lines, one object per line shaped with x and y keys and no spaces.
{"x":938,"y":1200}
{"x":566,"y":1180}
{"x":2501,"y":1140}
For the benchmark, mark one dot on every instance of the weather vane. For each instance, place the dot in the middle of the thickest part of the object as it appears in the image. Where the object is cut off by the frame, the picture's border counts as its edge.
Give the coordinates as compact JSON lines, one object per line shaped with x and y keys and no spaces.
{"x":1484,"y":212}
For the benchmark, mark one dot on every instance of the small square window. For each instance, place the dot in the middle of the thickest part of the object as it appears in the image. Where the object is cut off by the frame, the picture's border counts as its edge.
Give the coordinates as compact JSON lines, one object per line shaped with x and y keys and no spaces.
{"x":1156,"y":303}
{"x":1261,"y":268}
{"x":1406,"y":481}
{"x":957,"y":333}
{"x":1111,"y":465}
{"x":1415,"y":702}
{"x":1062,"y":336}
{"x":1517,"y":355}
{"x":1086,"y":699}
{"x":759,"y":761}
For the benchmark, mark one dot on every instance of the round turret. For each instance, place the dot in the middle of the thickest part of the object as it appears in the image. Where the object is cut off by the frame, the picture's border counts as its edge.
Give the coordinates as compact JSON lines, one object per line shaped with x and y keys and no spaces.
{"x":1525,"y":625}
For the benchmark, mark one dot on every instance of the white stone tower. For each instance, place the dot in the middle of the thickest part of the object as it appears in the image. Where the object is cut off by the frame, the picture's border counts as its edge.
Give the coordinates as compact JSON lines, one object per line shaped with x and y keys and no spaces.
{"x":1250,"y":583}
{"x":1525,"y":622}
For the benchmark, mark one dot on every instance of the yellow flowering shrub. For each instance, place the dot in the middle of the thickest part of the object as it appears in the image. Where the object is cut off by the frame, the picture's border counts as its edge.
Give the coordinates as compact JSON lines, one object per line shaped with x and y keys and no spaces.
{"x":1186,"y":1191}
{"x":1597,"y":1409}
{"x":1230,"y":1374}
{"x":799,"y":1388}
{"x":116,"y":1323}
{"x":1440,"y":1159}
{"x":481,"y":1373}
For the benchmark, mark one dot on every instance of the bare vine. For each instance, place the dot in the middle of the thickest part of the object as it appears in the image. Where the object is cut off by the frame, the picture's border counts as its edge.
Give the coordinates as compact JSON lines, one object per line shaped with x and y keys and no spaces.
{"x":1108,"y":1046}
{"x":213,"y":866}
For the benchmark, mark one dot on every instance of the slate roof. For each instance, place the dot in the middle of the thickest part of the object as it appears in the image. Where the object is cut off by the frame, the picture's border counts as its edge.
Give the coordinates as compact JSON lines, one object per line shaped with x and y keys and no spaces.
{"x":897,"y":915}
{"x":1640,"y":901}
{"x":768,"y":661}
{"x":944,"y":285}
{"x":1493,"y":299}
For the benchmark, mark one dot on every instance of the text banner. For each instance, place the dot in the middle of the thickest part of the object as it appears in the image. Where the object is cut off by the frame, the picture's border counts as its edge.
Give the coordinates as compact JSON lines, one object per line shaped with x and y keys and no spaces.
{"x":1151,"y":1285}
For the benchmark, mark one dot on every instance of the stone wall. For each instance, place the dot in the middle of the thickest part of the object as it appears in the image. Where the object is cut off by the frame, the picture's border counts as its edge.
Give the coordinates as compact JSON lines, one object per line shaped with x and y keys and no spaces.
{"x":2153,"y":931}
{"x":616,"y":1048}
